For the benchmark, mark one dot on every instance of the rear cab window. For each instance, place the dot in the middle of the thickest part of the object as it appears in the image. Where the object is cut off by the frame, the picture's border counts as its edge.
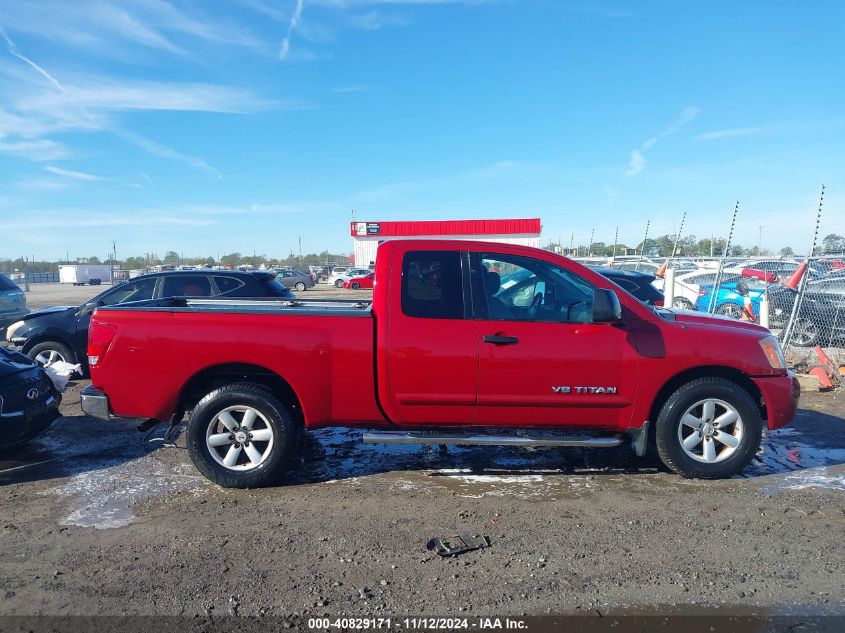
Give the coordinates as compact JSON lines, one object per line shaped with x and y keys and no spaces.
{"x":431,"y":285}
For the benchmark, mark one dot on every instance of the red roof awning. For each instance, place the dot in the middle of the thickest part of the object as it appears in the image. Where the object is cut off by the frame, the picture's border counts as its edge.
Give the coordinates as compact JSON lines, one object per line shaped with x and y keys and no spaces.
{"x":446,"y":228}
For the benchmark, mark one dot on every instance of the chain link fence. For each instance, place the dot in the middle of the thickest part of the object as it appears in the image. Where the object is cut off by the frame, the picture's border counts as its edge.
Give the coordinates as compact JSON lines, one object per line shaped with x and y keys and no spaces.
{"x":801,"y":302}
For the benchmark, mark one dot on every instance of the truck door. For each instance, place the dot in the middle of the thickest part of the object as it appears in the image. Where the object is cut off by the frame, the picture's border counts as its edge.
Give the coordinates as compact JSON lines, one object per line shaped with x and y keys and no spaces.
{"x":541,"y":360}
{"x":430,"y":370}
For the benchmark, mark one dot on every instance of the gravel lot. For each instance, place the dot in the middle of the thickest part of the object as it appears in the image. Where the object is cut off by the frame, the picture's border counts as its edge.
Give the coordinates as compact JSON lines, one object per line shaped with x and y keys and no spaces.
{"x":97,"y":519}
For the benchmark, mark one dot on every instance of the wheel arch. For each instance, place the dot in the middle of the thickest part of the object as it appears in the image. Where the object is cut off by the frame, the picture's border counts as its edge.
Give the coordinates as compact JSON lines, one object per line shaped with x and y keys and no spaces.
{"x":210,"y":378}
{"x":45,"y":337}
{"x":742,"y":379}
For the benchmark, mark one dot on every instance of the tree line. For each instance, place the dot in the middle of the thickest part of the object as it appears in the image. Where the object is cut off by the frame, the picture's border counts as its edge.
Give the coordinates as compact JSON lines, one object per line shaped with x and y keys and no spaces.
{"x":661,"y":246}
{"x":690,"y":246}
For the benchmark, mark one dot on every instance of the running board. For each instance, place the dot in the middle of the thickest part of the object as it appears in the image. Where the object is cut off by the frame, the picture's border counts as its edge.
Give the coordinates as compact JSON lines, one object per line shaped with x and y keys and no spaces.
{"x":411,"y":437}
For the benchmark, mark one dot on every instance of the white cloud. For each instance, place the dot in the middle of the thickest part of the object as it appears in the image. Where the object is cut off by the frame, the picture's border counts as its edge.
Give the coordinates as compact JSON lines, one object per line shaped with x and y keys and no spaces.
{"x":163,"y":151}
{"x":637,"y":161}
{"x":284,"y":49}
{"x":719,"y":134}
{"x":70,"y":173}
{"x":37,"y":149}
{"x":109,"y":26}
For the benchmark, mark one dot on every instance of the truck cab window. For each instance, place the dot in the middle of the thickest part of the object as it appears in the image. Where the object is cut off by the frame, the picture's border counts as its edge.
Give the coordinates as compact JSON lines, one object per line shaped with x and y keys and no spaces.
{"x":431,"y":285}
{"x":524,"y":289}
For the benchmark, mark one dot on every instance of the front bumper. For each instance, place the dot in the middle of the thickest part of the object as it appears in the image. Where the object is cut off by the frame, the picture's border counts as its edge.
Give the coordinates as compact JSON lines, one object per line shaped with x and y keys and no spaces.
{"x":780,"y":395}
{"x":95,"y":402}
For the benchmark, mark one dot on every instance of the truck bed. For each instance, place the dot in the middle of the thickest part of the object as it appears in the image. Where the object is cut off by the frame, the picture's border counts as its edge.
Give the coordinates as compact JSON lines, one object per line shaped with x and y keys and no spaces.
{"x":167,"y":343}
{"x":301,"y":307}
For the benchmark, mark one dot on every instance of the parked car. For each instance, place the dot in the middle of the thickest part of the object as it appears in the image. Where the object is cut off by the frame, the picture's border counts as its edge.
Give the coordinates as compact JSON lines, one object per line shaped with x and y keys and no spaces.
{"x":61,"y":333}
{"x":337,"y":280}
{"x":639,"y":284}
{"x":295,"y":279}
{"x":688,"y":285}
{"x":730,"y":298}
{"x":365,"y":281}
{"x":28,"y":400}
{"x":336,"y":273}
{"x":12,"y":302}
{"x":821,"y":318}
{"x":442,"y":355}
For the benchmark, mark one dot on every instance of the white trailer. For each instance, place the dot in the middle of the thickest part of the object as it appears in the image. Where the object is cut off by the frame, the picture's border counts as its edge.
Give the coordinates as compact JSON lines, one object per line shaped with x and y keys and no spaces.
{"x":84,"y":274}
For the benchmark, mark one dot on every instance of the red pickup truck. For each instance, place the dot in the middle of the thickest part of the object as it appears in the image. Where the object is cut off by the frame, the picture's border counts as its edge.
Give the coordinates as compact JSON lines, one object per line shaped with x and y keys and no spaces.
{"x":464,"y":343}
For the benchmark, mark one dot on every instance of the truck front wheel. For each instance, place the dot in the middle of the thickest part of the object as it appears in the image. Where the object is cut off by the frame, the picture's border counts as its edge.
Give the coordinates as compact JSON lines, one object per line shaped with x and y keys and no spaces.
{"x":709,"y":428}
{"x":241,"y":436}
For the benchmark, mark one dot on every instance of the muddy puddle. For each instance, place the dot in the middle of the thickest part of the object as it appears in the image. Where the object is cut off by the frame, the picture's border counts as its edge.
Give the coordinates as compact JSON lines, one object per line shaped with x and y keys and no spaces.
{"x":102,"y":471}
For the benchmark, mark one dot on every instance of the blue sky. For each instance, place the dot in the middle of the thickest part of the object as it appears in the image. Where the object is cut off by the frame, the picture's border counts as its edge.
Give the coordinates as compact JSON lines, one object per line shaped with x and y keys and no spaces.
{"x":239,"y":126}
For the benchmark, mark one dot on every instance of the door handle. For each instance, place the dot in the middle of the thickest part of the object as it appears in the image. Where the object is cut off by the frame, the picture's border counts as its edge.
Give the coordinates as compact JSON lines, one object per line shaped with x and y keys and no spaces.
{"x":497,"y":339}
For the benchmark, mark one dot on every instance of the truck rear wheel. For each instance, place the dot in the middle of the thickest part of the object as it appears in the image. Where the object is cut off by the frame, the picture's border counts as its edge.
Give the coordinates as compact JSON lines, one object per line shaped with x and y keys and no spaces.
{"x":709,"y":428}
{"x":241,"y":436}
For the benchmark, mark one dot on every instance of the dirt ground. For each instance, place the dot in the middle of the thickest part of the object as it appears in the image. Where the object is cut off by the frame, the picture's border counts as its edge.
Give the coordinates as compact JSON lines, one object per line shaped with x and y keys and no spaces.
{"x":96,"y":518}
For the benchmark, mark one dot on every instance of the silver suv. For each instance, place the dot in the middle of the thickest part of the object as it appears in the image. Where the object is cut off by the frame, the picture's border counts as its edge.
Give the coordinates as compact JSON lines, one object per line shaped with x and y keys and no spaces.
{"x":12,"y":302}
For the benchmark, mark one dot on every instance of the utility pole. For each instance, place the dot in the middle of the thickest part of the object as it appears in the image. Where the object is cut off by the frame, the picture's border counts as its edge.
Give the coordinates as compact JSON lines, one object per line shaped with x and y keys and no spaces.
{"x":760,"y":240}
{"x":615,"y":242}
{"x":571,"y":242}
{"x":590,"y":248}
{"x":300,"y":250}
{"x":26,"y":273}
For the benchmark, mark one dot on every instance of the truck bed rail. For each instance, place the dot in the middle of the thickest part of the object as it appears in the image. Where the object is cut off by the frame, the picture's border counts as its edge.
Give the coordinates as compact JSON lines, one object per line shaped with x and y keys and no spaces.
{"x":314,"y":307}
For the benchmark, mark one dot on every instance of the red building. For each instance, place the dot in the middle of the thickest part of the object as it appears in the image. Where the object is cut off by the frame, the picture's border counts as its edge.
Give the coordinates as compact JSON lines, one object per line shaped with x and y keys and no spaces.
{"x":366,"y":236}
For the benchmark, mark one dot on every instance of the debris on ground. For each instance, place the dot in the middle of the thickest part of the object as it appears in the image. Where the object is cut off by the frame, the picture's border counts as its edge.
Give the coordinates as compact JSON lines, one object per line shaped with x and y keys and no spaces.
{"x":454,"y":545}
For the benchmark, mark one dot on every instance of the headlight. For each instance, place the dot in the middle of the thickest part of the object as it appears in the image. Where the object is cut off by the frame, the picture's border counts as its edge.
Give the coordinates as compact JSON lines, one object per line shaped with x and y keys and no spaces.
{"x":774,"y":353}
{"x":10,"y":331}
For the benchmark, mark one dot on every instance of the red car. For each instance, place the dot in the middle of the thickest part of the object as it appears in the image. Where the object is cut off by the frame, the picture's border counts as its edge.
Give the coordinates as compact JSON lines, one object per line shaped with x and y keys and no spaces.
{"x":762,"y":275}
{"x":360,"y":282}
{"x":446,"y":352}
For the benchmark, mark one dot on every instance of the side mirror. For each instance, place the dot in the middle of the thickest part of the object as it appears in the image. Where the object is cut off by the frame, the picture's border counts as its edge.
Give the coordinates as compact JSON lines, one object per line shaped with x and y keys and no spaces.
{"x":606,"y":306}
{"x":89,"y":307}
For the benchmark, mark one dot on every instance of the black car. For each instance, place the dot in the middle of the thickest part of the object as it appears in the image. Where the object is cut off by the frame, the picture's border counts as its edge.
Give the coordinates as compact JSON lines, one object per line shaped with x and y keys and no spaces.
{"x":61,"y":333}
{"x":636,"y":282}
{"x":821,"y":318}
{"x":28,"y":400}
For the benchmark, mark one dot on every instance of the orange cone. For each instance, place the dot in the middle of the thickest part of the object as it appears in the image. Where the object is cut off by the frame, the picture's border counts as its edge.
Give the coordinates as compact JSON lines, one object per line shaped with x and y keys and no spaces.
{"x":661,"y":272}
{"x":795,"y":278}
{"x":825,"y":383}
{"x":824,"y":359}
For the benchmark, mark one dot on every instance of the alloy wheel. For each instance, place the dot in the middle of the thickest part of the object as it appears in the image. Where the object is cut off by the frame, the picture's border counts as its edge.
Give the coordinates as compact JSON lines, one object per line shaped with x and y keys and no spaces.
{"x":710,"y":431}
{"x":239,"y":438}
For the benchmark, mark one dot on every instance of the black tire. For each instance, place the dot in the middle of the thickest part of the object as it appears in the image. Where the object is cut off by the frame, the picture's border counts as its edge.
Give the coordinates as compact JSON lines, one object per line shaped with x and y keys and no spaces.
{"x":300,"y":286}
{"x":669,"y":448}
{"x":285,"y":436}
{"x":805,"y":333}
{"x":46,"y":347}
{"x":338,"y":283}
{"x":354,"y":285}
{"x":682,"y":304}
{"x":731,"y":310}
